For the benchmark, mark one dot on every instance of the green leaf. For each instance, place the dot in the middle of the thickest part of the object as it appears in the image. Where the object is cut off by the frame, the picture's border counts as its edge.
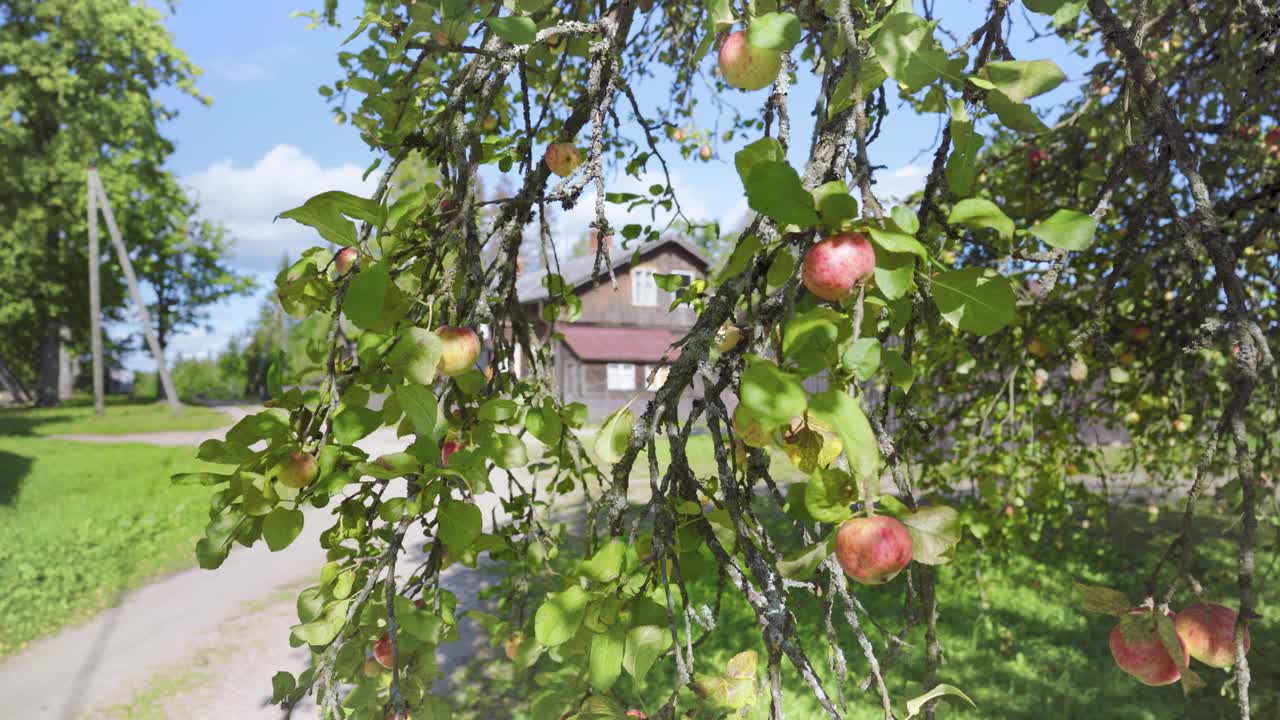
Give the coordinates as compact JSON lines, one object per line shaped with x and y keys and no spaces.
{"x":280,"y":527}
{"x":905,"y":48}
{"x":810,"y":337}
{"x":905,"y":218}
{"x":417,"y":355}
{"x":843,"y":415}
{"x":514,"y":29}
{"x":894,"y":273}
{"x":978,"y":213}
{"x":1066,"y":230}
{"x":615,"y":433}
{"x":282,"y":683}
{"x":770,"y":395}
{"x":834,"y":202}
{"x":775,"y":31}
{"x":935,"y":532}
{"x":498,"y":410}
{"x":544,"y":423}
{"x":781,"y":269}
{"x":1044,"y":7}
{"x":223,"y":453}
{"x":898,"y":242}
{"x":200,"y":478}
{"x":1097,"y":599}
{"x":324,"y":629}
{"x":916,"y":704}
{"x":460,"y":524}
{"x":862,"y":357}
{"x":365,"y":296}
{"x":644,"y":645}
{"x":419,"y":405}
{"x":774,"y":189}
{"x":742,"y":256}
{"x":828,"y":495}
{"x":1015,"y":116}
{"x":606,"y":564}
{"x":1023,"y":79}
{"x":974,"y":300}
{"x":605,"y":663}
{"x":961,"y":170}
{"x":353,"y":423}
{"x":328,"y":213}
{"x":801,"y":564}
{"x":560,"y":615}
{"x":763,"y":150}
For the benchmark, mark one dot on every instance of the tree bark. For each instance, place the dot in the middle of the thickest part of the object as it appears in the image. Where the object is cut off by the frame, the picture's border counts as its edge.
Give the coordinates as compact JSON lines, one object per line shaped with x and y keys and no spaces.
{"x":47,"y":383}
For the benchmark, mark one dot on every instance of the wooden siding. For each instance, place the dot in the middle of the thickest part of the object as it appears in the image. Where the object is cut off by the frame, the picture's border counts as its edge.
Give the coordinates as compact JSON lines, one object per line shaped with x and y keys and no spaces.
{"x":603,"y":305}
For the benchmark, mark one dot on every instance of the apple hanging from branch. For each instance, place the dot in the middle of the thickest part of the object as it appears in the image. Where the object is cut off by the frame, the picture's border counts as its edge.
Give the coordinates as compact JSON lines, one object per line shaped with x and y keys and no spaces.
{"x":562,"y":158}
{"x":461,"y":348}
{"x":873,"y":550}
{"x":833,"y":268}
{"x":1208,"y":631}
{"x":745,"y":66}
{"x":298,"y":470}
{"x":345,"y":260}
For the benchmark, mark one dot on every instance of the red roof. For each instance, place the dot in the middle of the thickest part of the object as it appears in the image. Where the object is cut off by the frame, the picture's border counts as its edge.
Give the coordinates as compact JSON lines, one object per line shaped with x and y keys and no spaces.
{"x":619,"y":344}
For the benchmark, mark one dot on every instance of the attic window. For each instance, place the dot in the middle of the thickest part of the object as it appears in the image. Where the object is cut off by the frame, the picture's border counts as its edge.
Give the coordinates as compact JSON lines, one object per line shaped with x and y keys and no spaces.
{"x":644,"y":291}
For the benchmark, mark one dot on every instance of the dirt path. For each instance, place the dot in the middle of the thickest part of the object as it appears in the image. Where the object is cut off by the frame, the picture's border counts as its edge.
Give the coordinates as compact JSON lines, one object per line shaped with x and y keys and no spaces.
{"x":201,"y":644}
{"x":176,"y":438}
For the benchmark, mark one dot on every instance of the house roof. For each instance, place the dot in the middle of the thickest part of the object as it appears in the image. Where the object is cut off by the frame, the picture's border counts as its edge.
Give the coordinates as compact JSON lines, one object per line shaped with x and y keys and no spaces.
{"x":580,"y":271}
{"x":619,"y":344}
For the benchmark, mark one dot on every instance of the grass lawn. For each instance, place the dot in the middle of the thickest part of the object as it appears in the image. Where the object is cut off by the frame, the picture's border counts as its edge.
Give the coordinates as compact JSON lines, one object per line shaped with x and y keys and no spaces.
{"x":81,"y":523}
{"x":1015,"y":639}
{"x":122,"y":415}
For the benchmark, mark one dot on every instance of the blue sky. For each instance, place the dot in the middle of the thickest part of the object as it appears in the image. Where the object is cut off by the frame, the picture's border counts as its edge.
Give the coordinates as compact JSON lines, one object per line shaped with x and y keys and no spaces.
{"x":268,"y":142}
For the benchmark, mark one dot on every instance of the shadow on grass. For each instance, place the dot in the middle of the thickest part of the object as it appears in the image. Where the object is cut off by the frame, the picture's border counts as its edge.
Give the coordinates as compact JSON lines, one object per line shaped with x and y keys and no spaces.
{"x":14,"y":469}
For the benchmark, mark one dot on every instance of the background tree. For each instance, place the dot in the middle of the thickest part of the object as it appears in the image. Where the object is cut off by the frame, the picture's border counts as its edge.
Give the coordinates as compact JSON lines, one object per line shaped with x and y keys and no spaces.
{"x":966,"y":349}
{"x":76,"y":88}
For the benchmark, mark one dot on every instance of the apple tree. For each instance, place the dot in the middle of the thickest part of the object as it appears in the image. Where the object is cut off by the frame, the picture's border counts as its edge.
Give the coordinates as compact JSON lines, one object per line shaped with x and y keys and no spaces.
{"x":1102,"y":263}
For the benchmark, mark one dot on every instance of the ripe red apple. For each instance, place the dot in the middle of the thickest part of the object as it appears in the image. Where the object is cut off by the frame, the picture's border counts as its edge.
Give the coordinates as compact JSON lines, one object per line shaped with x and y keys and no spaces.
{"x":1208,"y":631}
{"x":1146,"y":658}
{"x":873,"y":550}
{"x":448,"y":449}
{"x":562,"y":158}
{"x":745,"y":66}
{"x":833,"y":268}
{"x":1035,"y":156}
{"x":1272,"y":138}
{"x":728,"y":337}
{"x":382,"y":651}
{"x":345,"y":260}
{"x":461,"y":348}
{"x":704,"y":152}
{"x":637,"y":714}
{"x":298,"y":470}
{"x":1141,"y":332}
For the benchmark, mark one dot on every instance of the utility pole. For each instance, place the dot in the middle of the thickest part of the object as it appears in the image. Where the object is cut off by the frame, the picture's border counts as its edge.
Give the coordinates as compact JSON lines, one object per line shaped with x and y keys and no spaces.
{"x":95,"y":295}
{"x":139,"y":306}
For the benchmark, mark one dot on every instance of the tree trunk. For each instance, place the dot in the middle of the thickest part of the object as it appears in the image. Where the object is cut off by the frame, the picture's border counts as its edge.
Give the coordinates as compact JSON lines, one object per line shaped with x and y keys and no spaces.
{"x":48,"y":382}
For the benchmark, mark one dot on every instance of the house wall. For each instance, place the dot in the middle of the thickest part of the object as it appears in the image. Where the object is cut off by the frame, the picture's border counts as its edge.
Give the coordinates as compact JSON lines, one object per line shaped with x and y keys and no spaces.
{"x":603,"y":305}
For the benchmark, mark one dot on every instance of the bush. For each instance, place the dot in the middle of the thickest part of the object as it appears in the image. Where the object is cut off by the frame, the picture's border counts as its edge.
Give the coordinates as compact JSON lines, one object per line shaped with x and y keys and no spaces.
{"x":208,"y":380}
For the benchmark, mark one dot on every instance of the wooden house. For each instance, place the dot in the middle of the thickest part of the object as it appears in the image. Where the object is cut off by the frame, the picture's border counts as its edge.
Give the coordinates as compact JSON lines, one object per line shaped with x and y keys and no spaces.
{"x":605,"y":356}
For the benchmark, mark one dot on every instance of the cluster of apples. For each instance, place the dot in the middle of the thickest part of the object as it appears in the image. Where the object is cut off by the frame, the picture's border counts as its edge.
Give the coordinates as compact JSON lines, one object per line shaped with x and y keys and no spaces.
{"x":1206,"y":632}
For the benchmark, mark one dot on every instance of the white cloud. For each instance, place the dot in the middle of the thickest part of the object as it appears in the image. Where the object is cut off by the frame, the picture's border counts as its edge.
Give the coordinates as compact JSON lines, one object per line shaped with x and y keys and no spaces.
{"x":255,"y":66}
{"x":893,"y":186}
{"x":247,"y":199}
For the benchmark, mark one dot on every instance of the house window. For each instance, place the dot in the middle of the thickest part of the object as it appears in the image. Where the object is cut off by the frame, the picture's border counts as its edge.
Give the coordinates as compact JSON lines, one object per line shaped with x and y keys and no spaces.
{"x":659,"y":377}
{"x":686,"y":274}
{"x":622,"y":376}
{"x":644,"y":291}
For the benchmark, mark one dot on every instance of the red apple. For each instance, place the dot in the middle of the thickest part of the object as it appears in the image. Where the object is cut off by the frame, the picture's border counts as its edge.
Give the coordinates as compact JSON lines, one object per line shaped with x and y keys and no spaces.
{"x":704,"y":152}
{"x":873,"y":550}
{"x":298,"y":471}
{"x":448,"y":449}
{"x":382,"y":651}
{"x":345,"y":260}
{"x":1035,"y":156}
{"x":1146,"y":658}
{"x":562,"y":158}
{"x":1272,"y":138}
{"x":461,"y":348}
{"x":679,"y":135}
{"x":1141,"y":332}
{"x":745,"y":66}
{"x":833,"y":268}
{"x":1208,"y":631}
{"x":637,"y":714}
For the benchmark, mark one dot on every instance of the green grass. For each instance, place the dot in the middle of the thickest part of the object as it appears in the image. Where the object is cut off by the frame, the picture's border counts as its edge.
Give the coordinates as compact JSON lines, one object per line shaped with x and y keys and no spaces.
{"x":1014,"y":637}
{"x":121,"y":416}
{"x":82,"y":523}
